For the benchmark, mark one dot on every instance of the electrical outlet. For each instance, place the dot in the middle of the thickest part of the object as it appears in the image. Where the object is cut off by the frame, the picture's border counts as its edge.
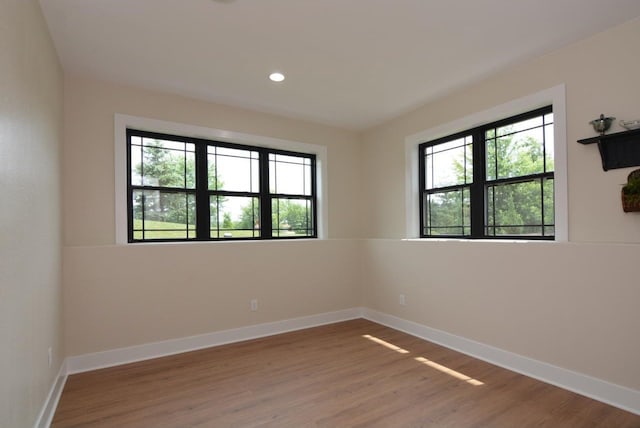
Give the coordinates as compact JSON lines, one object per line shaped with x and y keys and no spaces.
{"x":254,"y":305}
{"x":403,"y":301}
{"x":50,"y":356}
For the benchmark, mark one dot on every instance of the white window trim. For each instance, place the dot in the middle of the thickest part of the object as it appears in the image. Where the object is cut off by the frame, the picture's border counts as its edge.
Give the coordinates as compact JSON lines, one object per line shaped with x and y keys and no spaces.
{"x":122,"y":122}
{"x":554,"y":96}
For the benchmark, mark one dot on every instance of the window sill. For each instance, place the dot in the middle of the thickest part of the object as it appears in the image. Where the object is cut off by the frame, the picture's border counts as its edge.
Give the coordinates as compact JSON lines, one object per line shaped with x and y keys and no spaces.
{"x":484,"y":241}
{"x":239,"y":241}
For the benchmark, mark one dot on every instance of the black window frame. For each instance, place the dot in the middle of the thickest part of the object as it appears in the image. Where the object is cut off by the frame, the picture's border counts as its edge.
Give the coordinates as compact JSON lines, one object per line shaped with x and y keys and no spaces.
{"x":480,"y":183}
{"x":202,"y":192}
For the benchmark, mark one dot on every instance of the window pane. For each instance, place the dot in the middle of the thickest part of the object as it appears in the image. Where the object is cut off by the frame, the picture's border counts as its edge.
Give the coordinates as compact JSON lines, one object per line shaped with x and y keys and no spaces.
{"x":167,"y":144}
{"x":515,"y":209}
{"x":522,"y":231}
{"x":233,"y":169}
{"x":519,"y":154}
{"x":308,"y":189}
{"x":162,"y":163}
{"x":548,"y":198}
{"x":449,"y":164}
{"x":291,"y":217}
{"x":136,"y":163}
{"x":234,"y":217}
{"x":491,"y":159}
{"x":289,"y":175}
{"x":163,"y":215}
{"x":191,"y":170}
{"x":447,"y":213}
{"x":520,"y":149}
{"x":549,"y":148}
{"x":519,"y":126}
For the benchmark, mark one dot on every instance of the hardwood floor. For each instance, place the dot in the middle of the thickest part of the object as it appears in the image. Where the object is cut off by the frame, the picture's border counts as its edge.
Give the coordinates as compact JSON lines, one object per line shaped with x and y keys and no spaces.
{"x":350,"y":374}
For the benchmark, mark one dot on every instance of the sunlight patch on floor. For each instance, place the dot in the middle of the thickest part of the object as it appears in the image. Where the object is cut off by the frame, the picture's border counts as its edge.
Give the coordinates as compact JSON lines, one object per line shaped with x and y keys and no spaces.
{"x":449,"y":371}
{"x":385,"y":344}
{"x":425,"y":361}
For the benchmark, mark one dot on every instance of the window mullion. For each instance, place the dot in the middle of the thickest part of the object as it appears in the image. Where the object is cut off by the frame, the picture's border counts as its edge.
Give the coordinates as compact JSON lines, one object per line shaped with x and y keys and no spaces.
{"x":478,"y":200}
{"x":202,"y":194}
{"x":421,"y":181}
{"x":130,"y":226}
{"x":314,"y":199}
{"x":265,"y":196}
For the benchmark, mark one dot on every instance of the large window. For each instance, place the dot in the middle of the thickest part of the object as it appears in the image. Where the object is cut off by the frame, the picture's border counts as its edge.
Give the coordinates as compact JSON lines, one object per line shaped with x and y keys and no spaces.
{"x":183,"y":188}
{"x":492,"y":181}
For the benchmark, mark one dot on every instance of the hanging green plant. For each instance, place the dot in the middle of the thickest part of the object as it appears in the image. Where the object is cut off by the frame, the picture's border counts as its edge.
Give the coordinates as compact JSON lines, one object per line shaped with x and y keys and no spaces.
{"x":631,"y":193}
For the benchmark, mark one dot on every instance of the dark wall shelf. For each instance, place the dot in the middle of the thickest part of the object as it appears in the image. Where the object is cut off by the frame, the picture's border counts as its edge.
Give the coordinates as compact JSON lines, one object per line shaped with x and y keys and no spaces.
{"x":619,"y":150}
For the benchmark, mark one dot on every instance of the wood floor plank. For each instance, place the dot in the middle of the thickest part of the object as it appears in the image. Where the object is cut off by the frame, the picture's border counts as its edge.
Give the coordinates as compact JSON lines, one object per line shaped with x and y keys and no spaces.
{"x":351,"y":374}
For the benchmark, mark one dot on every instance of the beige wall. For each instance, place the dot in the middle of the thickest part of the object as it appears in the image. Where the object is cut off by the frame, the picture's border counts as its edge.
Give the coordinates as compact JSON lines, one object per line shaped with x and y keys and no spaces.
{"x":30,"y":221}
{"x":123,"y":295}
{"x":577,"y":315}
{"x":118,"y":296}
{"x":581,"y":314}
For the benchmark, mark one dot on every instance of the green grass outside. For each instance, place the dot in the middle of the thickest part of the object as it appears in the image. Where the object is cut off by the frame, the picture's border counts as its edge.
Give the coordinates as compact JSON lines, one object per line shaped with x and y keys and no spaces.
{"x":178,"y":231}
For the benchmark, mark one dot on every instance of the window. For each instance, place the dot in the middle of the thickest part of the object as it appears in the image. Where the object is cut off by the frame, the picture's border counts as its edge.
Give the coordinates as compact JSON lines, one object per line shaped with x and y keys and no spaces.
{"x":492,"y":181}
{"x":183,"y":189}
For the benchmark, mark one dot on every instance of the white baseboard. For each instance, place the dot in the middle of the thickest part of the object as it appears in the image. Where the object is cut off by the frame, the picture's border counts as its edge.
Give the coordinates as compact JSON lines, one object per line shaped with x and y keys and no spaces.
{"x":615,"y":395}
{"x":115,"y":357}
{"x":51,"y":403}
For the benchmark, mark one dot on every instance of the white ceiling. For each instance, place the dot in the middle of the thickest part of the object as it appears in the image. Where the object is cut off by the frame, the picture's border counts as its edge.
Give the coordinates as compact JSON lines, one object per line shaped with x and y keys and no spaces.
{"x":349,"y":63}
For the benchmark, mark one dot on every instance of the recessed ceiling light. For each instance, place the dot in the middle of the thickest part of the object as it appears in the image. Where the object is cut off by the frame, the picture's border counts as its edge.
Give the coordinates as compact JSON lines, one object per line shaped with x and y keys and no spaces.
{"x":276,"y":77}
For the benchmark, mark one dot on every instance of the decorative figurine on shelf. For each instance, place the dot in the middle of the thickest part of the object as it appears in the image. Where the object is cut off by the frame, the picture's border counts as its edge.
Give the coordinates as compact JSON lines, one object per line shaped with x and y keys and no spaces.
{"x":602,"y":124}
